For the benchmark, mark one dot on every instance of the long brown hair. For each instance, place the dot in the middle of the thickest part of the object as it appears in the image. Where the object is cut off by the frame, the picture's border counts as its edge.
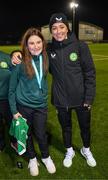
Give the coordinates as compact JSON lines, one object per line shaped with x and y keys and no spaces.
{"x":27,"y":57}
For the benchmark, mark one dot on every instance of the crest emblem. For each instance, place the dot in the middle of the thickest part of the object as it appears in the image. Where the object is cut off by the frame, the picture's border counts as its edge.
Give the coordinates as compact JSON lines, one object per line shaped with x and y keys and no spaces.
{"x":3,"y":64}
{"x":73,"y":56}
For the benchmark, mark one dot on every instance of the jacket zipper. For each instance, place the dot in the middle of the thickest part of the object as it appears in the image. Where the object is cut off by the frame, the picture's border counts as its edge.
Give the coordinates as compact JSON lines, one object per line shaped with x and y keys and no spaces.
{"x":63,"y":76}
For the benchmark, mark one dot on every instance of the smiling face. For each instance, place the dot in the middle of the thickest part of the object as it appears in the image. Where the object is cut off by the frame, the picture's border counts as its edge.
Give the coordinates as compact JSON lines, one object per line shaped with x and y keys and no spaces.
{"x":59,"y":31}
{"x":35,"y":45}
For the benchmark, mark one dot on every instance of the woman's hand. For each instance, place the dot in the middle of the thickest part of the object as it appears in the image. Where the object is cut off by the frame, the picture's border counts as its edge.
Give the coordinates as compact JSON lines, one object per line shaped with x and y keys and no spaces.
{"x":17,"y":115}
{"x":16,"y":58}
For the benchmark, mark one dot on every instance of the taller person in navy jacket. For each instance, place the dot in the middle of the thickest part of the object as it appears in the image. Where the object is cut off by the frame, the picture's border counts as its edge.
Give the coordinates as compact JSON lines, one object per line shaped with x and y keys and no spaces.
{"x":73,"y":84}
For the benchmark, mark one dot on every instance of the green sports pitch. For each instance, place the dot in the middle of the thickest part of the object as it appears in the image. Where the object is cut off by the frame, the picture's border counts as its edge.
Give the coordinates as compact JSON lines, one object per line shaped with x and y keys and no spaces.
{"x":99,"y":131}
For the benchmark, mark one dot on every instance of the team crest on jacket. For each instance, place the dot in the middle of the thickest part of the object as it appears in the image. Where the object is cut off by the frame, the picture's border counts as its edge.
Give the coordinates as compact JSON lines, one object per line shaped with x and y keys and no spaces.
{"x":3,"y":64}
{"x":73,"y":56}
{"x":53,"y":55}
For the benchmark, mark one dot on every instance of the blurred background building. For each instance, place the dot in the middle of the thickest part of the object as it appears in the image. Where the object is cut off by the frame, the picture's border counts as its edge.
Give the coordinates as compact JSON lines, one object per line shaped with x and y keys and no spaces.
{"x":86,"y":32}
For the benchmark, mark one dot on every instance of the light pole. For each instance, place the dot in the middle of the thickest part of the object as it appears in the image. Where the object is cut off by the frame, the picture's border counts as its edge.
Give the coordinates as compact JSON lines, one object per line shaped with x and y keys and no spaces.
{"x":73,"y":6}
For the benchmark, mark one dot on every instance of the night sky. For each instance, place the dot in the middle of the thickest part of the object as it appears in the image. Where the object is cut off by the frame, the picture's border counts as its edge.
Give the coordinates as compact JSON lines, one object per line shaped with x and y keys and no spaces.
{"x":17,"y":16}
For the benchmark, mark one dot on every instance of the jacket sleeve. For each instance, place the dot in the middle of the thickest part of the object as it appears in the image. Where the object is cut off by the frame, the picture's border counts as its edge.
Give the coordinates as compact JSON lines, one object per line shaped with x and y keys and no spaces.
{"x":89,"y":73}
{"x":11,"y":54}
{"x":6,"y":58}
{"x":12,"y":88}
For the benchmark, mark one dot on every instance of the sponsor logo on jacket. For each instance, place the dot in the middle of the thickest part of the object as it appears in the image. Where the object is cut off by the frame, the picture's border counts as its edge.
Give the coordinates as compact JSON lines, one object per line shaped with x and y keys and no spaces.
{"x":53,"y":55}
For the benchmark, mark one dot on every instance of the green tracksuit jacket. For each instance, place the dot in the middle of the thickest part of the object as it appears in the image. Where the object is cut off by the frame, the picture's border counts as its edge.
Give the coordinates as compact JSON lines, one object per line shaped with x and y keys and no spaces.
{"x":25,"y":91}
{"x":5,"y":72}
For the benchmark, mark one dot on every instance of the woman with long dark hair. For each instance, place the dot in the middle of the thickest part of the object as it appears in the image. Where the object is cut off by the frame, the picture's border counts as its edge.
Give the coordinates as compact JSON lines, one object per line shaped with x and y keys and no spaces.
{"x":28,"y":96}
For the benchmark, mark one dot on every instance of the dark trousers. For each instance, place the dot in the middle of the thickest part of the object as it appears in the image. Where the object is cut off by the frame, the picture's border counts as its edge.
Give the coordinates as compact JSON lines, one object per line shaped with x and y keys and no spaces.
{"x":36,"y":120}
{"x":5,"y":119}
{"x":65,"y":119}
